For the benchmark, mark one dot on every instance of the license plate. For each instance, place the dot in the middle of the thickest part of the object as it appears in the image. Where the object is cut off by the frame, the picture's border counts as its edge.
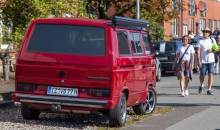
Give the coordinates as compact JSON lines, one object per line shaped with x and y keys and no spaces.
{"x":62,"y":91}
{"x":162,"y":58}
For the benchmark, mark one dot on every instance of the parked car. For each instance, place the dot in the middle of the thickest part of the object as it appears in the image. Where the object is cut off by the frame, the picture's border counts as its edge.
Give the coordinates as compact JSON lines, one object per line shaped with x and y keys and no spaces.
{"x":86,"y":65}
{"x":195,"y":40}
{"x":215,"y":34}
{"x":158,"y":70}
{"x":166,"y":53}
{"x":215,"y":37}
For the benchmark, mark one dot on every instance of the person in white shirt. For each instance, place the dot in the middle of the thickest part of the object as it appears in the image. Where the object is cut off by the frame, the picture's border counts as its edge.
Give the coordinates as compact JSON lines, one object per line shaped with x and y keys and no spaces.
{"x":206,"y":59}
{"x":185,"y":65}
{"x":191,"y":35}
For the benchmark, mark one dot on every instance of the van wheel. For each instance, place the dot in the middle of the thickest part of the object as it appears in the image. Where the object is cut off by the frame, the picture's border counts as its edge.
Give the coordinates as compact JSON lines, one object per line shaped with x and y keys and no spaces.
{"x":150,"y":104}
{"x":117,"y":115}
{"x":158,"y":77}
{"x":28,"y":113}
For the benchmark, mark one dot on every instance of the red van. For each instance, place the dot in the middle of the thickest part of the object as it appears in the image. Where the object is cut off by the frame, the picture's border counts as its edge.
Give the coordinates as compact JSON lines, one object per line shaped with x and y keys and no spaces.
{"x":86,"y":65}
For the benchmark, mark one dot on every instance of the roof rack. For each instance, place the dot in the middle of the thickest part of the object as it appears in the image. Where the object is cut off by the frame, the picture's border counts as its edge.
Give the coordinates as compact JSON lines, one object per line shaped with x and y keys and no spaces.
{"x":122,"y":21}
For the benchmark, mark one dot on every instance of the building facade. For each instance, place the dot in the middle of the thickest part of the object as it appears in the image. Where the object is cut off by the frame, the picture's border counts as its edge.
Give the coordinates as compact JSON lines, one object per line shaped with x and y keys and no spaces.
{"x":198,"y":15}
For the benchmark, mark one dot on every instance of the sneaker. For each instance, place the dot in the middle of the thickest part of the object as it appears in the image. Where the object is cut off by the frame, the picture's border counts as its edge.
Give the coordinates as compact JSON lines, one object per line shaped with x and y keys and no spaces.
{"x":200,"y":89}
{"x":186,"y":92}
{"x":209,"y":92}
{"x":183,"y":94}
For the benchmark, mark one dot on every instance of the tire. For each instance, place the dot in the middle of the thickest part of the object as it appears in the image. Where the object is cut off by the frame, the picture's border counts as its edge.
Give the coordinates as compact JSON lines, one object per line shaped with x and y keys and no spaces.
{"x":158,"y":77}
{"x":150,"y":104}
{"x":28,"y":113}
{"x":117,"y":115}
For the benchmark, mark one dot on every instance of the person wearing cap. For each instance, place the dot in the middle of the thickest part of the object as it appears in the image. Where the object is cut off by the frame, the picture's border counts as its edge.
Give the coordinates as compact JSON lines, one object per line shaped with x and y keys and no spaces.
{"x":206,"y":59}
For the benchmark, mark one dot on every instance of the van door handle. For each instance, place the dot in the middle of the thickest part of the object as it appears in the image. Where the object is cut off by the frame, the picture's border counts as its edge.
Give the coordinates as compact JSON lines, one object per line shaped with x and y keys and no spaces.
{"x":127,"y":66}
{"x":145,"y":66}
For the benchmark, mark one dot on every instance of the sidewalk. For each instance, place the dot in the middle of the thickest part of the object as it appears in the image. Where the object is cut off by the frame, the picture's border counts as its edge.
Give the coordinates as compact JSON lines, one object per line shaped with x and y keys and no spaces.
{"x":6,"y":89}
{"x":194,"y":112}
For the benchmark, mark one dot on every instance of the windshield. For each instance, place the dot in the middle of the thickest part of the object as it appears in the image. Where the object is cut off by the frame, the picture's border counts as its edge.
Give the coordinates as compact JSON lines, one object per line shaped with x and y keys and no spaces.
{"x":68,"y":39}
{"x":167,"y":46}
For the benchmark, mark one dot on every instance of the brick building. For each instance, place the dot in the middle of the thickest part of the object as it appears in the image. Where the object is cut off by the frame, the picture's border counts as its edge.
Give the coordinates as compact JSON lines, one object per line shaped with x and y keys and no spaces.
{"x":200,"y":14}
{"x":197,"y":16}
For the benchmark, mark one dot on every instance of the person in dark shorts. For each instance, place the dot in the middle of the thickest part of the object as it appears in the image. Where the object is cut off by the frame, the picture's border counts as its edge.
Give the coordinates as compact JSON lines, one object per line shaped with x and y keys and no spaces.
{"x":206,"y":59}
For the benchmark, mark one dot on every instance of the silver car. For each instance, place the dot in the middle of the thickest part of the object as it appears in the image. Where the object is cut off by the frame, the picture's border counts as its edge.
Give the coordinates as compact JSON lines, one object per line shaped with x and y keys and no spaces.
{"x":158,"y":70}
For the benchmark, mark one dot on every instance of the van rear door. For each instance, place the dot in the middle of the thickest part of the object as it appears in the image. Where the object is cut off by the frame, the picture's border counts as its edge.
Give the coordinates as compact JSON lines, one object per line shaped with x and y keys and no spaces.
{"x":66,"y":55}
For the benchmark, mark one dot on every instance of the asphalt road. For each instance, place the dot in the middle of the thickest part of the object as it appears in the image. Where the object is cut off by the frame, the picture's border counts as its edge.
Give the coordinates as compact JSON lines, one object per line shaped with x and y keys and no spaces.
{"x":193,"y":112}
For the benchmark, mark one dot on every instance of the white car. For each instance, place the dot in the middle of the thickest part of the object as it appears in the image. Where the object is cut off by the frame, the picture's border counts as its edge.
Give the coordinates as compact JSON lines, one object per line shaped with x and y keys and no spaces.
{"x":158,"y":70}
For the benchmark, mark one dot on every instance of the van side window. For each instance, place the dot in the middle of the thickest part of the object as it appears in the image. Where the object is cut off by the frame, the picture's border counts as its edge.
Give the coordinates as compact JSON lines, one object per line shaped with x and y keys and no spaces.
{"x":123,"y":42}
{"x":136,"y":43}
{"x":147,"y":43}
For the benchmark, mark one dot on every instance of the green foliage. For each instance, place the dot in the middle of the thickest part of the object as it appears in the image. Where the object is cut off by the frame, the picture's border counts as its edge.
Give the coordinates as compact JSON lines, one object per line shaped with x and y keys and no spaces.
{"x":17,"y":14}
{"x":5,"y":35}
{"x":156,"y":32}
{"x":155,"y":11}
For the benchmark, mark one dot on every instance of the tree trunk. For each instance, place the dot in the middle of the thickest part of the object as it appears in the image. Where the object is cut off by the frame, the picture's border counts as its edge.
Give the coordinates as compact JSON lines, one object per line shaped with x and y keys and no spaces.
{"x":5,"y":69}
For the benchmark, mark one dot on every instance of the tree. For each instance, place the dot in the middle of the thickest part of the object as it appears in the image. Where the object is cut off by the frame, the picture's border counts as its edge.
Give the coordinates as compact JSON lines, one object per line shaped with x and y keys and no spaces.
{"x":155,"y":11}
{"x":17,"y":14}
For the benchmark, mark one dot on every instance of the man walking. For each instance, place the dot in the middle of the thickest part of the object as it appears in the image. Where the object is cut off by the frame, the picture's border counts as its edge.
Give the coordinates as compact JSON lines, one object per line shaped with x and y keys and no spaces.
{"x":206,"y":59}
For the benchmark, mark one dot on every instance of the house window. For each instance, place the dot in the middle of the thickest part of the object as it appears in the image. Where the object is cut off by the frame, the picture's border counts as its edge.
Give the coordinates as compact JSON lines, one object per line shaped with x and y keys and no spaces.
{"x":185,"y":29}
{"x":209,"y":24}
{"x":175,"y":6}
{"x":202,"y":26}
{"x":175,"y":27}
{"x":214,"y":25}
{"x":219,"y":24}
{"x":191,"y":24}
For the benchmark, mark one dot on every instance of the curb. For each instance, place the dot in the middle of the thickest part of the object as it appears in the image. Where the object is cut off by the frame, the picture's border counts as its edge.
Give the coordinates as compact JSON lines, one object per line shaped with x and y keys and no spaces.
{"x":6,"y":101}
{"x":4,"y":104}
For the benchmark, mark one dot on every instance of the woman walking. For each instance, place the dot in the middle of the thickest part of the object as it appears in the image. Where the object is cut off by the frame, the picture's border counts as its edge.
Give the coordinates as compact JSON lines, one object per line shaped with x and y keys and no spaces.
{"x":185,"y":58}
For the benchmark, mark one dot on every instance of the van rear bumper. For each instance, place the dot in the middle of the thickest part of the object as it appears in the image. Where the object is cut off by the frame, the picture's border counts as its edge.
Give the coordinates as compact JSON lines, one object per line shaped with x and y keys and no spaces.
{"x":67,"y":101}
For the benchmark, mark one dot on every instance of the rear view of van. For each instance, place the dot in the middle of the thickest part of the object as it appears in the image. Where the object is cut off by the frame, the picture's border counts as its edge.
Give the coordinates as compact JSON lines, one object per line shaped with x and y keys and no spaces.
{"x":75,"y":65}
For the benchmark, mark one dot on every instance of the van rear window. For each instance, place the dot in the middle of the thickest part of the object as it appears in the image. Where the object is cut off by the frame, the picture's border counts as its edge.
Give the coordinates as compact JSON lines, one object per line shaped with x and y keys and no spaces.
{"x":68,"y":39}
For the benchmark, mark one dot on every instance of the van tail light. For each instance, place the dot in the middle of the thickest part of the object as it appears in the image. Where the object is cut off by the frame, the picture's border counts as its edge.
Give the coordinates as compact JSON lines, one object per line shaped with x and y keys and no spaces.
{"x":100,"y":92}
{"x":26,"y":87}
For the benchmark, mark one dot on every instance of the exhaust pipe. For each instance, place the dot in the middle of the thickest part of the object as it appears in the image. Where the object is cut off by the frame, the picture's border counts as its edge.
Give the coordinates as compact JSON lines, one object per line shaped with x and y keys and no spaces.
{"x":55,"y":107}
{"x":97,"y":112}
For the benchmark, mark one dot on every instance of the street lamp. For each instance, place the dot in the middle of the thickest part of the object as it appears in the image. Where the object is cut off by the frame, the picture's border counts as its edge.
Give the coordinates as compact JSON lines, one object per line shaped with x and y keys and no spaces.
{"x":138,"y":9}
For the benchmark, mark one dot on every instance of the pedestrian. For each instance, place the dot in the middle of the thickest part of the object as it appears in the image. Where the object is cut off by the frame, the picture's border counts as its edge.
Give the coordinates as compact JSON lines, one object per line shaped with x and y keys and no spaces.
{"x":206,"y":59}
{"x":217,"y":63}
{"x":185,"y":58}
{"x":191,"y":35}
